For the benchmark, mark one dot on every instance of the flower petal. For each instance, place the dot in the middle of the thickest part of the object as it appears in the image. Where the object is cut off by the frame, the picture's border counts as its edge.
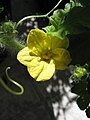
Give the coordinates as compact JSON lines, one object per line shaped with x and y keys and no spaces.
{"x":36,"y":39}
{"x":62,"y":58}
{"x":40,"y":41}
{"x":24,"y":56}
{"x":54,"y":42}
{"x":35,"y":68}
{"x":42,"y":71}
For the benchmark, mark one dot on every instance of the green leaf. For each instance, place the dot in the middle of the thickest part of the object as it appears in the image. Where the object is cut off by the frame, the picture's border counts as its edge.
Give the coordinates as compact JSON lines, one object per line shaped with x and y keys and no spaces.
{"x":88,"y":112}
{"x":72,"y":22}
{"x":73,"y":19}
{"x":74,"y":3}
{"x":83,"y":102}
{"x":8,"y":27}
{"x":84,"y":18}
{"x":60,"y":33}
{"x":78,"y":23}
{"x":50,"y":28}
{"x":79,"y":88}
{"x":57,"y":18}
{"x":85,"y":2}
{"x":56,"y":24}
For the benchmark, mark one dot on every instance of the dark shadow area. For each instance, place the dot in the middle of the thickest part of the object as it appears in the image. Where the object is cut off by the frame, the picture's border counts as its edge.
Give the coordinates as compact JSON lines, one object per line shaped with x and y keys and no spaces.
{"x":7,"y":10}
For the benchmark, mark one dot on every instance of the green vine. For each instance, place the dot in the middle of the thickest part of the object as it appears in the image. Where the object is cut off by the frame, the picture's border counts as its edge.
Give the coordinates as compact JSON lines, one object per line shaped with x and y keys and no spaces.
{"x":39,"y":16}
{"x":12,"y":81}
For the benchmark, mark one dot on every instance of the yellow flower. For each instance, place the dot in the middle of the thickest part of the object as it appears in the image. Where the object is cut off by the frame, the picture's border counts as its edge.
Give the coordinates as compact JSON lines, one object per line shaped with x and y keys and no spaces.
{"x":44,"y":54}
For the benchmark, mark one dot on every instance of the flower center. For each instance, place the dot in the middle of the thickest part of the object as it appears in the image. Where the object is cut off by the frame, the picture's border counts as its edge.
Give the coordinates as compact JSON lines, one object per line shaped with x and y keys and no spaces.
{"x":46,"y":55}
